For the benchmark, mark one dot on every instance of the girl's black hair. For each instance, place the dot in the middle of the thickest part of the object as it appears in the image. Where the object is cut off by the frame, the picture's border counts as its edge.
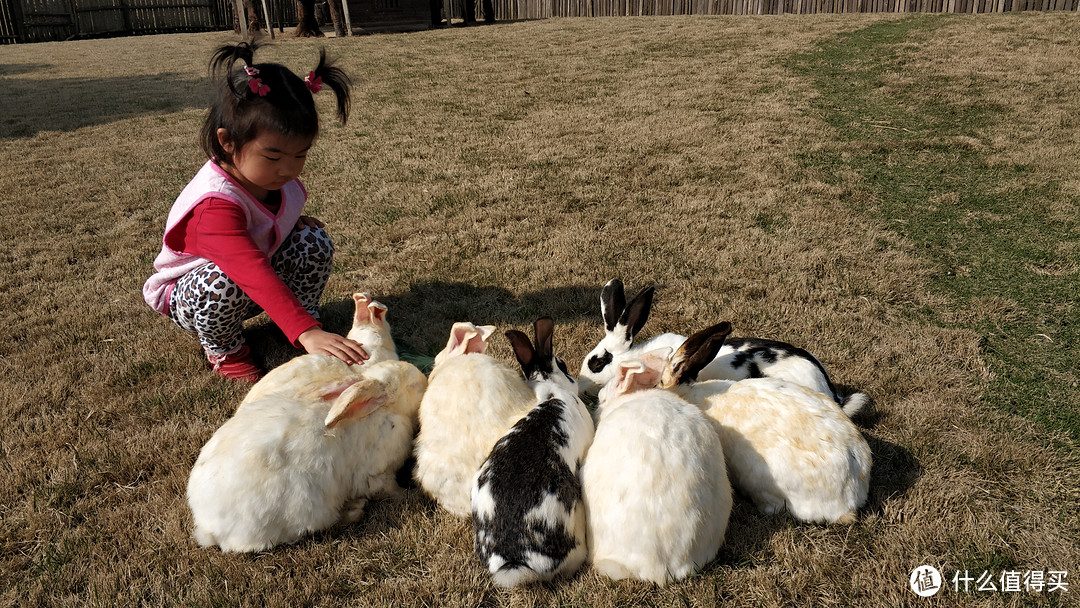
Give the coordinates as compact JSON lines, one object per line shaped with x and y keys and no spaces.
{"x":286,"y":108}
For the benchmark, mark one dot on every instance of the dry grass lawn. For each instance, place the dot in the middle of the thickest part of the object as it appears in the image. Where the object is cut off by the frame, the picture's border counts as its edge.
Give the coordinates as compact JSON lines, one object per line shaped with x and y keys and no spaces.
{"x":495,"y":174}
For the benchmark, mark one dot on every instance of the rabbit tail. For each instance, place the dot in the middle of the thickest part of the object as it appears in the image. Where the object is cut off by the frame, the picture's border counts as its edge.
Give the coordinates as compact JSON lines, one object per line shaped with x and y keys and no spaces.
{"x":854,"y":403}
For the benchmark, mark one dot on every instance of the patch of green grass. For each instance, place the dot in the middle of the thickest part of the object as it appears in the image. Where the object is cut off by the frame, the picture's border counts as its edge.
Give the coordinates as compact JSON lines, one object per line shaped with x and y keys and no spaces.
{"x":54,"y":558}
{"x":977,"y":560}
{"x":987,"y":230}
{"x":771,"y":222}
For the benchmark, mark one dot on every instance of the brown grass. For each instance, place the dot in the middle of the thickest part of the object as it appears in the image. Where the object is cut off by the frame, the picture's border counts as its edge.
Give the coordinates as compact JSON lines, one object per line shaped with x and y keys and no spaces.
{"x":495,"y":174}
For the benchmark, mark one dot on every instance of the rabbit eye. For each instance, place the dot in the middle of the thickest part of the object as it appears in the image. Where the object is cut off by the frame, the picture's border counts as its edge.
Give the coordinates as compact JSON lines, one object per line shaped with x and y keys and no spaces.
{"x":598,"y":363}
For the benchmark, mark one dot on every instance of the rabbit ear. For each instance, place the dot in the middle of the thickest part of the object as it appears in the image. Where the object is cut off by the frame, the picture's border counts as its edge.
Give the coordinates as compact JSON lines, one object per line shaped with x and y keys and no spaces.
{"x":642,"y":373}
{"x":361,"y":313}
{"x":367,"y":309}
{"x":612,"y":303}
{"x":377,"y":311}
{"x":467,"y":338}
{"x":357,"y":401}
{"x":361,"y":301}
{"x":523,"y":349}
{"x":635,"y":315}
{"x":544,"y":329}
{"x":693,"y":355}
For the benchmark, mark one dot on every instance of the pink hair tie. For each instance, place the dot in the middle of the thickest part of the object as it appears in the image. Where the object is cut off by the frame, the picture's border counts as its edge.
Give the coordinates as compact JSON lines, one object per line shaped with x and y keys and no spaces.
{"x":256,"y":85}
{"x":313,"y":82}
{"x":250,"y":71}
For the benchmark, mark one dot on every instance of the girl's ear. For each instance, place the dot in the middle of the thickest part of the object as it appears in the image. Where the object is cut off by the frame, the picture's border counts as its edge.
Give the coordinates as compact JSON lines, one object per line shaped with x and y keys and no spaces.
{"x":225,"y":140}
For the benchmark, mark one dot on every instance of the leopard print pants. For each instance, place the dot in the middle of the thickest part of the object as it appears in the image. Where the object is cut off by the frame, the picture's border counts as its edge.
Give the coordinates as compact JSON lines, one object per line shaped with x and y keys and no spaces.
{"x":207,"y":303}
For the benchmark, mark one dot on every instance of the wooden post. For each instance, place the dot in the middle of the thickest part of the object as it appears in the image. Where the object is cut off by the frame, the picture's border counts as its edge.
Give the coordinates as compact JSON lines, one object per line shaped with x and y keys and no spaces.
{"x":241,"y":18}
{"x":18,"y":20}
{"x":266,"y":17}
{"x":348,"y":19}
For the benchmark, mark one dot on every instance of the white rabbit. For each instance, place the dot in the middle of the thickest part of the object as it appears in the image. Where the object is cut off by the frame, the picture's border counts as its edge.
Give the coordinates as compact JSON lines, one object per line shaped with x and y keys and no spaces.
{"x":371,"y":329}
{"x":785,"y":445}
{"x":656,"y":491}
{"x":471,"y":401}
{"x":738,"y":359}
{"x":285,"y":464}
{"x":528,"y":516}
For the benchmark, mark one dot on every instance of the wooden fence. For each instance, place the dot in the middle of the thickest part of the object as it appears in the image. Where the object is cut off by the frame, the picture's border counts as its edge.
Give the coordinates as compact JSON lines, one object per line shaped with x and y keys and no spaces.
{"x":543,"y":9}
{"x":43,"y":20}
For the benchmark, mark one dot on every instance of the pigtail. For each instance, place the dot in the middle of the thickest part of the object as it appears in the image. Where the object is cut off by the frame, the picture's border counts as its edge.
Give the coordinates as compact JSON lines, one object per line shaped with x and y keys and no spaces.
{"x":339,"y":83}
{"x":224,"y":59}
{"x":252,"y":98}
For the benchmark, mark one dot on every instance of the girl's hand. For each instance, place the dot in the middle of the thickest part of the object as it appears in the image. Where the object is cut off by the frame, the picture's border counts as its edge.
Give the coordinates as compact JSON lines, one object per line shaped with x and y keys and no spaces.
{"x":315,"y":340}
{"x":308,"y":221}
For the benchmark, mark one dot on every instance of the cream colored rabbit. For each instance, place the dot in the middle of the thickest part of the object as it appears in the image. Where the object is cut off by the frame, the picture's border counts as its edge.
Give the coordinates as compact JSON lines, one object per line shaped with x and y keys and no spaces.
{"x":321,"y":434}
{"x":785,"y":444}
{"x":657,"y":497}
{"x":471,"y":402}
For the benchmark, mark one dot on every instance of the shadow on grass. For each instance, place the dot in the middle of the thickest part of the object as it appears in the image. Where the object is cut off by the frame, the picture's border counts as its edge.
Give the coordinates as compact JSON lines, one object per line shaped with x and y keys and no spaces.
{"x":66,"y":104}
{"x":14,"y":69}
{"x":894,"y":471}
{"x":421,"y":317}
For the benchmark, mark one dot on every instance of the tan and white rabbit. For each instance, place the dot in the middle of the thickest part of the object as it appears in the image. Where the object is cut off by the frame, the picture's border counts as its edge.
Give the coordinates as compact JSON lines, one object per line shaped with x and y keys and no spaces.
{"x":371,"y":329}
{"x":472,"y":400}
{"x":785,"y":444}
{"x":656,"y":491}
{"x":738,"y":358}
{"x":322,"y":434}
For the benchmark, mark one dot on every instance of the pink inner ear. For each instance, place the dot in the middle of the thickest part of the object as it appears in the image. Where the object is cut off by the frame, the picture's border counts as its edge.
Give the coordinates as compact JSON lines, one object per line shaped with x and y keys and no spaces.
{"x":360,"y":408}
{"x":362,"y":312}
{"x":377,"y":312}
{"x":458,"y":336}
{"x":358,"y":401}
{"x":648,"y":378}
{"x":465,"y":338}
{"x":475,"y":344}
{"x":337,"y":389}
{"x":637,"y":377}
{"x":626,"y":378}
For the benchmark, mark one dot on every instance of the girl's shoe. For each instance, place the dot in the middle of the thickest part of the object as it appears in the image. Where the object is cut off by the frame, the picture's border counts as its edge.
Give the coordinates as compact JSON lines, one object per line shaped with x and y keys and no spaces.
{"x":237,"y":365}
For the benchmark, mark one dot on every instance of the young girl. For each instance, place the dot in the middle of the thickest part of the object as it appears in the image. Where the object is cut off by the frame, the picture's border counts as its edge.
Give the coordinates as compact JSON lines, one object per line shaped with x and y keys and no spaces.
{"x":235,"y":241}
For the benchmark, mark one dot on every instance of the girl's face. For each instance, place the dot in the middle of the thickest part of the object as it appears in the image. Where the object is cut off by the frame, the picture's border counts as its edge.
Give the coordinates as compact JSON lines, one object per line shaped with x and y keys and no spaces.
{"x":267,"y":162}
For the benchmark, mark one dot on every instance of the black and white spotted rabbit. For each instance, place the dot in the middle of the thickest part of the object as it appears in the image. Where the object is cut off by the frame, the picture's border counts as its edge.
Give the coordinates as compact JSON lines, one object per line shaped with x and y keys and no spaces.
{"x":528,"y":515}
{"x":738,"y":359}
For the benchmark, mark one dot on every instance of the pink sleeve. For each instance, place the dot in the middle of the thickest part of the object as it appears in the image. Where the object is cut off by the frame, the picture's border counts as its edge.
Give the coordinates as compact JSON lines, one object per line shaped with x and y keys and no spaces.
{"x":217,"y":230}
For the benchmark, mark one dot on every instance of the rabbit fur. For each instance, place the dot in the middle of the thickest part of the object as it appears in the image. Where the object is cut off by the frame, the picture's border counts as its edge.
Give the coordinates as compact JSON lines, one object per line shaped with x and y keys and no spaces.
{"x":471,"y":402}
{"x":738,"y":359}
{"x":786,"y":446}
{"x":371,"y":329}
{"x":323,"y":433}
{"x":528,"y":515}
{"x":657,"y":496}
